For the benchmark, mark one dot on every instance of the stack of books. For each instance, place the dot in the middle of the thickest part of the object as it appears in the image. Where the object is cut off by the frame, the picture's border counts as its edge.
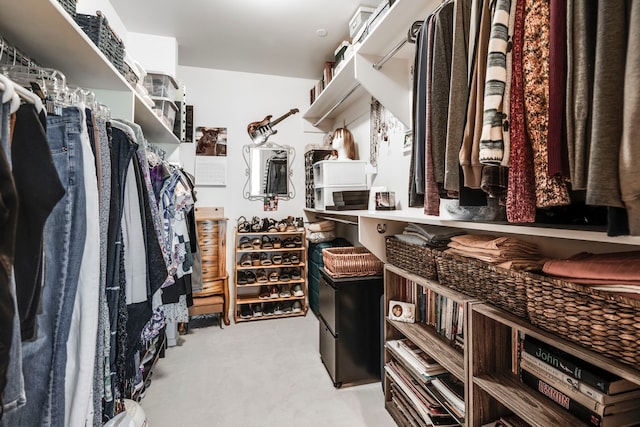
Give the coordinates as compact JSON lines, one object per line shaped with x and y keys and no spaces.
{"x":412,"y":373}
{"x":595,"y":396}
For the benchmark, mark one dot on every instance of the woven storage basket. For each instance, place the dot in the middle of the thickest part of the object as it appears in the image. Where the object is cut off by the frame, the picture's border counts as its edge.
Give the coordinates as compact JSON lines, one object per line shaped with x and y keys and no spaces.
{"x":504,"y":288}
{"x":101,"y":34}
{"x":420,"y":260}
{"x":351,"y":261}
{"x":606,"y":323}
{"x":69,"y":6}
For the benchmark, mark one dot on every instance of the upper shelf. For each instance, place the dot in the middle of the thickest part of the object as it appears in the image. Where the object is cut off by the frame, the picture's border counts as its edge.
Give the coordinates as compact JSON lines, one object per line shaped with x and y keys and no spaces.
{"x":390,"y":85}
{"x":45,"y":32}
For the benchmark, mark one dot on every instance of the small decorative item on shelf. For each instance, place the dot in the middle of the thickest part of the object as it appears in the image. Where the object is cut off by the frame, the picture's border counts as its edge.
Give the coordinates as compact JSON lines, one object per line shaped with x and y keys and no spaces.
{"x":402,"y":311}
{"x":98,"y":29}
{"x":385,"y":201}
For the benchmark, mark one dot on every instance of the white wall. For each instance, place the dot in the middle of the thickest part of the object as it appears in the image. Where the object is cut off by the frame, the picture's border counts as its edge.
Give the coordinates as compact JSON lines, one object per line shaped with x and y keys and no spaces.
{"x":233,"y":100}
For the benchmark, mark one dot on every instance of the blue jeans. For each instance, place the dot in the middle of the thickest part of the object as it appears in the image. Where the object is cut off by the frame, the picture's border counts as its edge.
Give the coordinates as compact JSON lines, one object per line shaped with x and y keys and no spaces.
{"x":44,"y":359}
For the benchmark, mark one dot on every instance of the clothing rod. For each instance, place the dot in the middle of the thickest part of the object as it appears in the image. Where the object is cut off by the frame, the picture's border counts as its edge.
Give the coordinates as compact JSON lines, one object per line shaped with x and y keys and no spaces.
{"x":344,"y":98}
{"x":388,"y":56}
{"x":331,"y":218}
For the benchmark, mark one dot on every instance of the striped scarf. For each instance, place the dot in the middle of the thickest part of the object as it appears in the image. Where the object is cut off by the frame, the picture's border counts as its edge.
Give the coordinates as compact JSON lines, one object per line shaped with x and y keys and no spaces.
{"x":494,"y":146}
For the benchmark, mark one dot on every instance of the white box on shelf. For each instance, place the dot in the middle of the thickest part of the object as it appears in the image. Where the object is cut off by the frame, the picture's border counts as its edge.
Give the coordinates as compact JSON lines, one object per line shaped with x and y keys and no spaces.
{"x":323,"y":196}
{"x":339,"y":172}
{"x":359,"y":19}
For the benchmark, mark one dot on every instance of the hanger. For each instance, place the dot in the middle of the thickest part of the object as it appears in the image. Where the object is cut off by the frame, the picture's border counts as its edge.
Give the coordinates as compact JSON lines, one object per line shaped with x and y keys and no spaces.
{"x":29,"y":97}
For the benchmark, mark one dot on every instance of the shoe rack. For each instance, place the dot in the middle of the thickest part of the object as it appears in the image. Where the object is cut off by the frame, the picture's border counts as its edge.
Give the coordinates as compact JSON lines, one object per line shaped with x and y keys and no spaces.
{"x":270,"y":270}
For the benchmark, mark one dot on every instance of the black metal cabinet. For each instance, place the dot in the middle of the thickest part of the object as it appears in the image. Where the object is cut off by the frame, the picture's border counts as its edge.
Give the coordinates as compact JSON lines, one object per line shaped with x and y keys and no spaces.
{"x":349,"y":312}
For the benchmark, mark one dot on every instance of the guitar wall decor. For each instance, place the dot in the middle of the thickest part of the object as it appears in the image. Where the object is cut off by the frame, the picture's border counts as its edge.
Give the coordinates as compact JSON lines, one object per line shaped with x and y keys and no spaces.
{"x":260,"y":131}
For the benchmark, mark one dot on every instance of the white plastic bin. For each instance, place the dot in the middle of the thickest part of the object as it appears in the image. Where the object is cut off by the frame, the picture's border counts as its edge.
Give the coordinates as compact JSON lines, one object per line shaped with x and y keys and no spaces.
{"x":339,"y":172}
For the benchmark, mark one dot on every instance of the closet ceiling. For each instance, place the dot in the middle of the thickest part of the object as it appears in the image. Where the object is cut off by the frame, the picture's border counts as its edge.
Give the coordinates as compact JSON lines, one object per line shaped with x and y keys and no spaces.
{"x":256,"y":36}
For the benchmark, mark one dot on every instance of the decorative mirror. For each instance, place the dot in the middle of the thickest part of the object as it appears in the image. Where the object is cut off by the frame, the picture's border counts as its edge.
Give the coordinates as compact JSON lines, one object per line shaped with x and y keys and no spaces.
{"x":268,"y":171}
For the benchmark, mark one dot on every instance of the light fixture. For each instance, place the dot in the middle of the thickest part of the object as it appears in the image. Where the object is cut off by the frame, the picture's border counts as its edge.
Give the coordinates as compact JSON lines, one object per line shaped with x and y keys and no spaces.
{"x":321,"y":32}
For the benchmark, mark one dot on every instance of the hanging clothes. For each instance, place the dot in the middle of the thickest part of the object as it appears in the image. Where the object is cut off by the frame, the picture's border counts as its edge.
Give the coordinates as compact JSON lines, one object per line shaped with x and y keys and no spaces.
{"x":550,"y":191}
{"x":630,"y":149}
{"x":521,"y":192}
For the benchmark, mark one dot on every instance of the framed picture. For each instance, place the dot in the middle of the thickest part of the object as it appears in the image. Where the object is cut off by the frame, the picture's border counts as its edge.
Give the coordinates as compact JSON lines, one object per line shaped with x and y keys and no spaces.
{"x":407,"y":142}
{"x":211,"y":156}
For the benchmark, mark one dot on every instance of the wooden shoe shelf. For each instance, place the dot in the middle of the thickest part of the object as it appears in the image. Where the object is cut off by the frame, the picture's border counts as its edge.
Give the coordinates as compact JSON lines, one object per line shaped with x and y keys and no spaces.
{"x":247,"y":292}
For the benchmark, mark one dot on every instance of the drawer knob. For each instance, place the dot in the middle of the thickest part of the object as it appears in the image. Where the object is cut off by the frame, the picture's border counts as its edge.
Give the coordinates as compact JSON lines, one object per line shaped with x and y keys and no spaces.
{"x":382,"y":228}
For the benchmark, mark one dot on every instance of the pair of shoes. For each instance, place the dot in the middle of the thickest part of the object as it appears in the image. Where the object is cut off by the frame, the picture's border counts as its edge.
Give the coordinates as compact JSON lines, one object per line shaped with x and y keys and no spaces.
{"x":243,"y":225}
{"x":295,"y":274}
{"x":277,"y":308}
{"x":245,"y":311}
{"x":296,"y":290}
{"x":287,"y":307}
{"x":250,"y":276}
{"x":245,"y":260}
{"x":284,"y":275}
{"x":288,"y":243}
{"x":284,"y":291}
{"x":264,"y":292}
{"x":274,"y":276}
{"x":297,"y":307}
{"x":257,"y":310}
{"x":255,"y":259}
{"x":242,"y":278}
{"x":266,"y":242}
{"x":256,"y":242}
{"x":295,"y":259}
{"x":256,"y":224}
{"x":264,"y":259}
{"x":268,"y":309}
{"x":261,"y":276}
{"x":274,"y":291}
{"x":277,"y":243}
{"x":277,"y":259}
{"x":245,"y":243}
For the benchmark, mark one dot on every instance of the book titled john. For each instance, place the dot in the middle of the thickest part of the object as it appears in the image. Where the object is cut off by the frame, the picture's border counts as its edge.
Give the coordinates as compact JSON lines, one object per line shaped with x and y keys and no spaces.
{"x":594,"y":376}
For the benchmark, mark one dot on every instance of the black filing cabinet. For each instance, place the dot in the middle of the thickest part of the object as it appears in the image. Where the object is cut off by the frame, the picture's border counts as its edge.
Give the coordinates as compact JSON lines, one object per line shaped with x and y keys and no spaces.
{"x":349,"y":313}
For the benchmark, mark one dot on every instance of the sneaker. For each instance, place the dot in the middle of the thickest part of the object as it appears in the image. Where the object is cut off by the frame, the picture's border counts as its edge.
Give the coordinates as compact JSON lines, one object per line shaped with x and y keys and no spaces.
{"x":274,"y":291}
{"x":242,"y":278}
{"x":261,"y":276}
{"x":287,"y":307}
{"x":284,"y":291}
{"x":297,"y":291}
{"x":268,"y":309}
{"x":295,"y":274}
{"x":245,"y":311}
{"x":297,"y":307}
{"x":277,"y":309}
{"x":257,"y":310}
{"x":264,"y":292}
{"x":250,"y":276}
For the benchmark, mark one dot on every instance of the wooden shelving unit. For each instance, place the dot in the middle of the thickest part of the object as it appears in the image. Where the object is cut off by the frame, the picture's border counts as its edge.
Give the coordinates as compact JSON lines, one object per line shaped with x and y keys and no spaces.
{"x":248,"y":294}
{"x":492,"y":386}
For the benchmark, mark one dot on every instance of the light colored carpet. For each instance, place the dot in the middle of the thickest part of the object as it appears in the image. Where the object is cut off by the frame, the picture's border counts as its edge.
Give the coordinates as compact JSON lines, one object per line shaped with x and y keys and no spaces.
{"x":266,"y":373}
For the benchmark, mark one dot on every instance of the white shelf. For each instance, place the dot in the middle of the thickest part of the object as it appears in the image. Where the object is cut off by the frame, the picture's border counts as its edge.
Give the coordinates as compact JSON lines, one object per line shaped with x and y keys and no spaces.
{"x":339,"y":93}
{"x":416,"y":215}
{"x":394,"y":27}
{"x":45,"y":32}
{"x":391,"y":85}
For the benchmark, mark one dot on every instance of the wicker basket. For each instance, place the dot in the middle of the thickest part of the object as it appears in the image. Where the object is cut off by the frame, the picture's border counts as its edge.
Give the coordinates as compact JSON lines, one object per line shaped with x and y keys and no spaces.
{"x":99,"y":31}
{"x":131,"y":77}
{"x":420,"y":260}
{"x":351,"y":261}
{"x":69,"y":6}
{"x":504,"y":288}
{"x":606,"y":323}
